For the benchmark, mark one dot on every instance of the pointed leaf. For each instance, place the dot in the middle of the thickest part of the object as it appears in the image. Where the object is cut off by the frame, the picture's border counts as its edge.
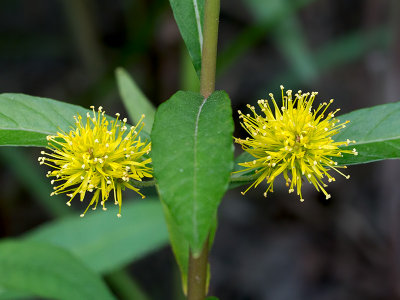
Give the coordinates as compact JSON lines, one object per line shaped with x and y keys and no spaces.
{"x":27,"y":120}
{"x":106,"y":242}
{"x":189,"y":15}
{"x":47,"y":271}
{"x":377,"y":133}
{"x":135,"y":102}
{"x":192,"y":155}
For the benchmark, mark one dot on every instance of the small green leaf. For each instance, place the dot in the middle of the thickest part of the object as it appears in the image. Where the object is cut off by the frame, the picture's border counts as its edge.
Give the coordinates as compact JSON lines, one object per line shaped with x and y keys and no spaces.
{"x":106,"y":242}
{"x":192,"y":156}
{"x":189,"y":15}
{"x":377,"y":133}
{"x":48,"y":271}
{"x":136,"y":103}
{"x":27,"y":120}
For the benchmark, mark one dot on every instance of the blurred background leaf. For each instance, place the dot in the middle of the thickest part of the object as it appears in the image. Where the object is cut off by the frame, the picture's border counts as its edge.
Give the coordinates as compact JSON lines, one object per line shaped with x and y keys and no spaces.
{"x":31,"y":177}
{"x":376,"y":131}
{"x":106,"y":243}
{"x":271,"y":17}
{"x":288,"y":34}
{"x":48,"y":271}
{"x":136,"y":103}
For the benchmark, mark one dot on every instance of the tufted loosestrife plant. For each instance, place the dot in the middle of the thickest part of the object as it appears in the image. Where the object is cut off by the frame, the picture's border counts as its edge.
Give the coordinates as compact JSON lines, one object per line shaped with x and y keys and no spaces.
{"x":186,"y":152}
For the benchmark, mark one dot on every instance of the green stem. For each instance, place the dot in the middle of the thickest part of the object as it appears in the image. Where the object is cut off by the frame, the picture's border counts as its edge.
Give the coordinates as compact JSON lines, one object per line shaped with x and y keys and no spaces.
{"x":244,"y":178}
{"x":209,"y":52}
{"x":197,"y":271}
{"x":147,"y":183}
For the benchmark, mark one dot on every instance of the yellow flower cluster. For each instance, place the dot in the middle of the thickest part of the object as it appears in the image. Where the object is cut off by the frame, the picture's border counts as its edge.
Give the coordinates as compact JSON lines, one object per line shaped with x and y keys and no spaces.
{"x":294,"y":140}
{"x":97,"y":156}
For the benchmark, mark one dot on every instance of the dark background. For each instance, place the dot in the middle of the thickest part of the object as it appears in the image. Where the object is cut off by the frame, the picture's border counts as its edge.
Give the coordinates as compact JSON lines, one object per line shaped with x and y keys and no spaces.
{"x":347,"y":247}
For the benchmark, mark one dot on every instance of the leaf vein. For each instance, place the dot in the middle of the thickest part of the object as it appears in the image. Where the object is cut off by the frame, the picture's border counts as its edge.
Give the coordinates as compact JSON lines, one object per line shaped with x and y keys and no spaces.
{"x":380,"y":122}
{"x":8,"y":118}
{"x":194,"y":207}
{"x":34,"y":110}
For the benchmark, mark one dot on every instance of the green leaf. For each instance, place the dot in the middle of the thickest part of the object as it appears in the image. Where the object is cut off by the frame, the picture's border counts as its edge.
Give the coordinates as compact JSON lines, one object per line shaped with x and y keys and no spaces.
{"x":192,"y":156}
{"x":189,"y":81}
{"x":105,"y":242}
{"x":377,"y":133}
{"x":27,"y":120}
{"x":136,"y":103}
{"x":189,"y":15}
{"x":12,"y":295}
{"x":48,"y":271}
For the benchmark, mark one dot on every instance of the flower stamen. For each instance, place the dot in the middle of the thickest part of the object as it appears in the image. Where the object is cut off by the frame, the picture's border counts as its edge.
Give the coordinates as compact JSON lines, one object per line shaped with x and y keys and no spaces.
{"x":294,"y":140}
{"x":97,"y":157}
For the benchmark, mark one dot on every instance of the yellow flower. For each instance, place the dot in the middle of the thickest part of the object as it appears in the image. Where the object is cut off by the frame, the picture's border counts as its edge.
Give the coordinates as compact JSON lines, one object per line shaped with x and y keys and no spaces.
{"x":97,"y":156}
{"x":294,"y":140}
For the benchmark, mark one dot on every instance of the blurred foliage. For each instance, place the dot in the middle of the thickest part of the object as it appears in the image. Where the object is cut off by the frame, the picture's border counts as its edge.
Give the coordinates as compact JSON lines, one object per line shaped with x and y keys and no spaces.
{"x":48,"y":271}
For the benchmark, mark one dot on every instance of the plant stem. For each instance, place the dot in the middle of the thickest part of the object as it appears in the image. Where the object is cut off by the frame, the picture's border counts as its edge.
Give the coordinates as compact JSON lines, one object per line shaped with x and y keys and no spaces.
{"x":209,"y":52}
{"x":147,"y":183}
{"x":197,"y":274}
